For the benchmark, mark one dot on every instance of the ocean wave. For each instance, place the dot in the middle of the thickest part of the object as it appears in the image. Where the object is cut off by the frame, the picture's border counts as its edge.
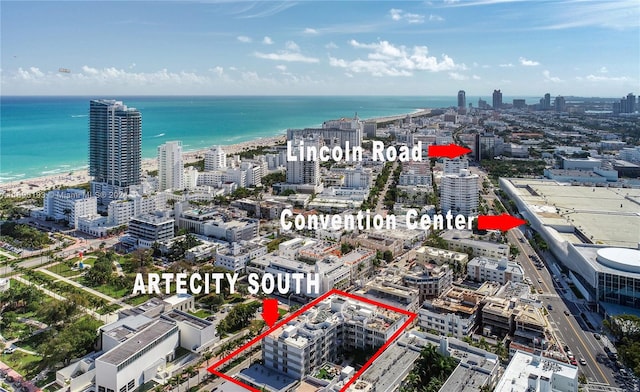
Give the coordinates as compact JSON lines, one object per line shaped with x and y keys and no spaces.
{"x":14,"y":177}
{"x":54,"y":171}
{"x":159,"y":135}
{"x":79,"y":115}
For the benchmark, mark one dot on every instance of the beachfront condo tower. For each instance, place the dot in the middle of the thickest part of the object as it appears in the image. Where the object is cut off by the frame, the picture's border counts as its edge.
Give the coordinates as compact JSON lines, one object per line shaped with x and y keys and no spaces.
{"x":170,"y":166}
{"x":115,"y":139}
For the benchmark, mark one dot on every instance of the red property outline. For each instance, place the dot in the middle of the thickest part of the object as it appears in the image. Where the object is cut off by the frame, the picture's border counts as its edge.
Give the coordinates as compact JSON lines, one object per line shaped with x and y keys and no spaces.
{"x":411,"y":316}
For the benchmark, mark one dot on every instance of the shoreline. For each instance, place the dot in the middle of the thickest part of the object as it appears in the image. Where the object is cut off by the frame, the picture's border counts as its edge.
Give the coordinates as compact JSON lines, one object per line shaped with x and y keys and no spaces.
{"x":34,"y":185}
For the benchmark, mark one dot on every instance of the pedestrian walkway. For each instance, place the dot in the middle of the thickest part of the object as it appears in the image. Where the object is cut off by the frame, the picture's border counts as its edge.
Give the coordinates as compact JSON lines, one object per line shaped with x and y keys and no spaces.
{"x":107,"y":318}
{"x":111,"y":300}
{"x":20,"y":381}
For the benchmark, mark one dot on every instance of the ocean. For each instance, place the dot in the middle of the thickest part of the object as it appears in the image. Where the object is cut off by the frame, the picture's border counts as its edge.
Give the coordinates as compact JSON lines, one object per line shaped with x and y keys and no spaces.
{"x":48,"y":135}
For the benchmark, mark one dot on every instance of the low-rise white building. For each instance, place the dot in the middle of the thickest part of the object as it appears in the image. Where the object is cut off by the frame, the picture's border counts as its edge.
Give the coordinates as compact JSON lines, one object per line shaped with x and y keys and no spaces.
{"x":122,"y":210}
{"x":531,"y":372}
{"x":428,"y":254}
{"x":502,"y":271}
{"x":69,"y":205}
{"x":238,"y":255}
{"x":461,"y":241}
{"x":95,"y":225}
{"x":137,"y":359}
{"x":147,"y":229}
{"x":430,"y":280}
{"x":320,"y":333}
{"x":454,"y":312}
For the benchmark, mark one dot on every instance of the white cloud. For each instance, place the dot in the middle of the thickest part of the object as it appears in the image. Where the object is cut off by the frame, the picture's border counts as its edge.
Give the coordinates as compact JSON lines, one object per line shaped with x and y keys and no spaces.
{"x":132,"y":65}
{"x":457,"y":76}
{"x":111,"y":76}
{"x":549,"y":78}
{"x":89,"y":70}
{"x":250,"y":76}
{"x":398,"y":15}
{"x":375,"y":68}
{"x":349,"y":75}
{"x":331,"y":45}
{"x":604,"y":70}
{"x":435,"y":18}
{"x":286,"y":56}
{"x":594,"y":78}
{"x":267,"y":40}
{"x":386,"y":59}
{"x":32,"y":74}
{"x":617,"y":15}
{"x":292,"y":46}
{"x":218,"y":70}
{"x":310,"y":31}
{"x":476,"y":77}
{"x":506,"y":65}
{"x":528,"y":63}
{"x":281,"y":67}
{"x":244,"y":39}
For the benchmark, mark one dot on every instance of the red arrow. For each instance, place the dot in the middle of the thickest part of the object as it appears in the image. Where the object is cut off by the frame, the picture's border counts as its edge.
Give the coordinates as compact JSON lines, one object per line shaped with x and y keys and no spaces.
{"x":270,"y":311}
{"x":502,"y":222}
{"x":449,"y":151}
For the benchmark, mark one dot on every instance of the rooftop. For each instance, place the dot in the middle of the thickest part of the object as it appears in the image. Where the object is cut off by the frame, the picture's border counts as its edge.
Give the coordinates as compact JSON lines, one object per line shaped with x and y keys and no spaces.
{"x":604,"y":215}
{"x":177,"y":299}
{"x":136,"y":343}
{"x":271,"y":380}
{"x":523,"y":365}
{"x":187,"y":318}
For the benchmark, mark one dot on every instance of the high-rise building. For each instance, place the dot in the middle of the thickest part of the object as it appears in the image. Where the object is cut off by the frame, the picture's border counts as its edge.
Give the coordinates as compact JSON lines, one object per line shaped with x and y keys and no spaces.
{"x":546,"y":103}
{"x":453,"y":166}
{"x":519,"y":104}
{"x":625,"y":105}
{"x":115,"y":154}
{"x":462,"y":99}
{"x":170,"y":166}
{"x":487,"y":145}
{"x":497,"y":99}
{"x":560,"y":104}
{"x":459,"y":193}
{"x":631,"y":103}
{"x":304,"y":172}
{"x":215,"y":159}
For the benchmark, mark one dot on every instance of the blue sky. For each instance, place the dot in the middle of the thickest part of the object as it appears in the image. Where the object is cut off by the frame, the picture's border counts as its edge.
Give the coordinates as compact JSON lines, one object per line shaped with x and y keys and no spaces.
{"x":524,"y":48}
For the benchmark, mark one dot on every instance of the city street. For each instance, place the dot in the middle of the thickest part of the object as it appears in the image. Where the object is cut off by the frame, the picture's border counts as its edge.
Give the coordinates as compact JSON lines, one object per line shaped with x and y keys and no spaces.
{"x":570,"y":330}
{"x":581,"y":342}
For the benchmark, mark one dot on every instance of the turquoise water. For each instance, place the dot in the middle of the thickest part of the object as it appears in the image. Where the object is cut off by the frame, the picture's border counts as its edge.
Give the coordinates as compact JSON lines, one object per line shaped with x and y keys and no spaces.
{"x":47,"y":135}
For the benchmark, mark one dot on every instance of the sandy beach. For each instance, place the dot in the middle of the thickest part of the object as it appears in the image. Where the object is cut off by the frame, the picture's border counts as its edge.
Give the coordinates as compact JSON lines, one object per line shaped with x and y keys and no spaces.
{"x":33,"y":186}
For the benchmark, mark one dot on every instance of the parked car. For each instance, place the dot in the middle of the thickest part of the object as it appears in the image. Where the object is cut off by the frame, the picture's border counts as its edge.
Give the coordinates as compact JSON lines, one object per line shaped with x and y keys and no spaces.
{"x":596,"y":336}
{"x":582,"y":362}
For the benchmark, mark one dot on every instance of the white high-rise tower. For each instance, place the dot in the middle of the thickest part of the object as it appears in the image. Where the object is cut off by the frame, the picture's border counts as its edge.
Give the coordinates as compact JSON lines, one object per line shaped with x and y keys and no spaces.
{"x":215,"y":159}
{"x":170,"y":166}
{"x":459,"y":193}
